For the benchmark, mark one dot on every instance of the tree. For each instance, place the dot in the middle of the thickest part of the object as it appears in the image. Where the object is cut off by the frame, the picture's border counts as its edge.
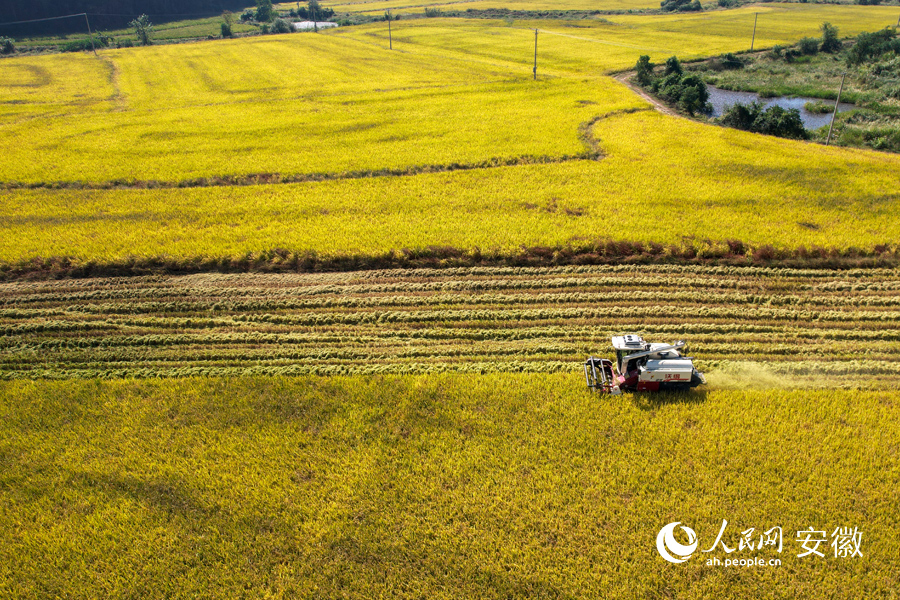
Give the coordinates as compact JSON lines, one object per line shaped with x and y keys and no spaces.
{"x":227,"y":23}
{"x":315,"y":9}
{"x":644,"y":70}
{"x":741,"y":116}
{"x":142,"y":28}
{"x":830,"y":41}
{"x":265,"y":12}
{"x":687,"y":92}
{"x":781,"y":122}
{"x":673,"y":66}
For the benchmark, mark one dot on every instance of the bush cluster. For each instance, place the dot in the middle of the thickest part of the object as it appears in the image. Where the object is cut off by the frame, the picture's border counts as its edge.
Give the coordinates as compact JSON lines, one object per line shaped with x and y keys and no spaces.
{"x":829,"y":43}
{"x":874,"y":45}
{"x":770,"y":121}
{"x":680,"y":5}
{"x":688,"y":92}
{"x":85,"y":44}
{"x":315,"y":12}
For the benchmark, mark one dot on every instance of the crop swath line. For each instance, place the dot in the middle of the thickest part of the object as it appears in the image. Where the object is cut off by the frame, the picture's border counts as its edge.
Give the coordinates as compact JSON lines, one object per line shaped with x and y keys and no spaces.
{"x":798,"y":321}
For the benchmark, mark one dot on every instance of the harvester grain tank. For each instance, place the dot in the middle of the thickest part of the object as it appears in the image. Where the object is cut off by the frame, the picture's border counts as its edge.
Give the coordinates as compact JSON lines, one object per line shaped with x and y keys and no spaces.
{"x":642,"y":366}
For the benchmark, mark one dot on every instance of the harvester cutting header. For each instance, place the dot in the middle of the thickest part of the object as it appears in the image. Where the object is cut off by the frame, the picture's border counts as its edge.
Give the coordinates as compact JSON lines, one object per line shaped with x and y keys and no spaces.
{"x":641,"y":366}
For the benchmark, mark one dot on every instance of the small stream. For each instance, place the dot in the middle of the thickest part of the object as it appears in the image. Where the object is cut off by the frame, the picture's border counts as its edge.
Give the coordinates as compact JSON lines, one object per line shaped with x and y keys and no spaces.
{"x":722,"y":99}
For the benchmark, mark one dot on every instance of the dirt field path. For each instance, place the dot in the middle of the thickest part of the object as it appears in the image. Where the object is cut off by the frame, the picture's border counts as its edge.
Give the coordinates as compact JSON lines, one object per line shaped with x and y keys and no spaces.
{"x":624,"y":79}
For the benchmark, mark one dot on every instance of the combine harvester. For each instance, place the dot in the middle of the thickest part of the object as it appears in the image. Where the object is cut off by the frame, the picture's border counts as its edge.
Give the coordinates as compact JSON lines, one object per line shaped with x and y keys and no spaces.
{"x":642,"y":367}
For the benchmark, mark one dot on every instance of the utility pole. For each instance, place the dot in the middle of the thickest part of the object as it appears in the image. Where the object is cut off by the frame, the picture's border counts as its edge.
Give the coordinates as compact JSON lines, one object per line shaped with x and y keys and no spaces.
{"x":755,"y":19}
{"x":90,"y":35}
{"x":834,"y":114}
{"x":387,"y":16}
{"x":534,"y":70}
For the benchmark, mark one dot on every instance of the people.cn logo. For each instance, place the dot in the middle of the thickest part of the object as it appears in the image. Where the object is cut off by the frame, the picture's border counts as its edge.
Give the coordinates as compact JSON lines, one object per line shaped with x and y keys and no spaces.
{"x":670,"y":549}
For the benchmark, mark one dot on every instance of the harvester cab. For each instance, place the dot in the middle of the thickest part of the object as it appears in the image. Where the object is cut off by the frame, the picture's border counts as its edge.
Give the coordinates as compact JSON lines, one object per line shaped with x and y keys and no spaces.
{"x":641,"y":366}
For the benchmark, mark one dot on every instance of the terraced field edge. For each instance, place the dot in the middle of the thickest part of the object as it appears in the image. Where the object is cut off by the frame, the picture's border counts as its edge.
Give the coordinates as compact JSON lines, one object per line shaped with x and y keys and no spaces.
{"x":599,"y":252}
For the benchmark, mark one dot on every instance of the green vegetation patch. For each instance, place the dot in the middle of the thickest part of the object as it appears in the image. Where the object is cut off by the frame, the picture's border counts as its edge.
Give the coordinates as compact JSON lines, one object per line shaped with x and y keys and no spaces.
{"x":867,"y":66}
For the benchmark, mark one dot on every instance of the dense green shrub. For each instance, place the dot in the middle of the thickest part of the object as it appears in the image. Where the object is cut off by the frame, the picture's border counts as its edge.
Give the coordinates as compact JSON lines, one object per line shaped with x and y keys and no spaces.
{"x":315,"y":12}
{"x":680,"y":5}
{"x":84,"y":44}
{"x":673,"y":66}
{"x":6,"y":45}
{"x":771,"y":121}
{"x":809,"y":46}
{"x":873,"y":45}
{"x":281,"y":26}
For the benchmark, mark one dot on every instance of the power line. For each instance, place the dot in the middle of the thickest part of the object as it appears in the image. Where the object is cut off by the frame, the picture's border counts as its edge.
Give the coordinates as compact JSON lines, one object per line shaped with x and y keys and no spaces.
{"x":46,"y":19}
{"x":108,"y":15}
{"x":155,"y":15}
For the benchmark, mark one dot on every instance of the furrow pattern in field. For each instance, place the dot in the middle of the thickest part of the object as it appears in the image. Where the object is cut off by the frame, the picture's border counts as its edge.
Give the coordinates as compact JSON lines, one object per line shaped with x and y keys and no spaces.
{"x":817,"y":324}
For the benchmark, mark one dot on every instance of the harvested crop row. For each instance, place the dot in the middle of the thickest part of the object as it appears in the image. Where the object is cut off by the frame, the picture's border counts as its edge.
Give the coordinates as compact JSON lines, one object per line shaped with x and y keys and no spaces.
{"x":459,"y":320}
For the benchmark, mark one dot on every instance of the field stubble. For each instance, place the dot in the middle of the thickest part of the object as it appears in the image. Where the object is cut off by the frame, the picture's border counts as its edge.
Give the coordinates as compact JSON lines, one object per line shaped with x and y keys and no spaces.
{"x":802,"y":328}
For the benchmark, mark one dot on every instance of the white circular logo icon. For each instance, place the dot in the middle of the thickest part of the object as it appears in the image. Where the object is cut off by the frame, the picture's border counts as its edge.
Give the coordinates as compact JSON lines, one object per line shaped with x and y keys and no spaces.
{"x":668,"y":546}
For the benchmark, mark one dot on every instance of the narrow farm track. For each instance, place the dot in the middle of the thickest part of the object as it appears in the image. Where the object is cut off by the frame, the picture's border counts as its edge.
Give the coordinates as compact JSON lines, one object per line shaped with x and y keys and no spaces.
{"x":625,"y":79}
{"x":814,"y":326}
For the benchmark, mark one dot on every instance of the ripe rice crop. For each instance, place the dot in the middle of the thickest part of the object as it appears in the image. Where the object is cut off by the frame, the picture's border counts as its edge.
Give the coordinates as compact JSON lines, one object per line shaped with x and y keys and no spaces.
{"x":742,"y":186}
{"x":229,"y":108}
{"x":615,"y":42}
{"x":446,"y":486}
{"x":444,"y":142}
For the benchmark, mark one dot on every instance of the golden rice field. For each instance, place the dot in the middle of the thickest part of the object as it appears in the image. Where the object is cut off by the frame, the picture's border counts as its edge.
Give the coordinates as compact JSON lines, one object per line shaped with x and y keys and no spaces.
{"x":172,"y":113}
{"x":732,"y":185}
{"x":445,"y":140}
{"x":426,"y":433}
{"x":585,"y":46}
{"x":445,"y":486}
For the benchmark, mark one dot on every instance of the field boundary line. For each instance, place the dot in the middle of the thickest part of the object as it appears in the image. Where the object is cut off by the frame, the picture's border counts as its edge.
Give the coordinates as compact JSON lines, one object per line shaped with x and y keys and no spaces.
{"x":590,"y":153}
{"x":730,"y":253}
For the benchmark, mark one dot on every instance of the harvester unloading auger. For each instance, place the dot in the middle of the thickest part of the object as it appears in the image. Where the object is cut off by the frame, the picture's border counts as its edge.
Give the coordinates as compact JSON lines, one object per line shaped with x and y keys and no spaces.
{"x":641,"y":366}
